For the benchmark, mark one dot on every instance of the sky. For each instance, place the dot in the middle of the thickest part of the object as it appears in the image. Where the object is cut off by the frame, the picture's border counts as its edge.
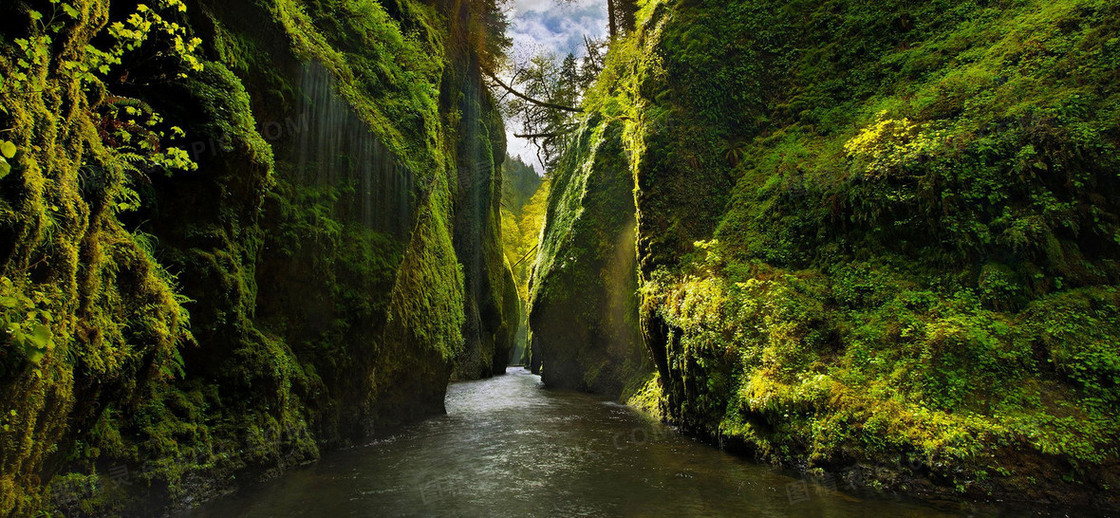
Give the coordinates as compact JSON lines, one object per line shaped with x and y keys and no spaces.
{"x":550,"y":26}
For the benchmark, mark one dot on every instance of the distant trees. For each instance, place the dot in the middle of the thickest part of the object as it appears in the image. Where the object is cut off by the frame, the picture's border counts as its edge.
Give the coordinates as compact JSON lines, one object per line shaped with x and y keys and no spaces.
{"x":521,"y":229}
{"x":544,"y":94}
{"x":519,"y":182}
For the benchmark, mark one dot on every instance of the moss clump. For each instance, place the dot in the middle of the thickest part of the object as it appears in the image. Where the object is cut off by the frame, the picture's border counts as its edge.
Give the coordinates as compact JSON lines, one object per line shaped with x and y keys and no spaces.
{"x":115,"y":318}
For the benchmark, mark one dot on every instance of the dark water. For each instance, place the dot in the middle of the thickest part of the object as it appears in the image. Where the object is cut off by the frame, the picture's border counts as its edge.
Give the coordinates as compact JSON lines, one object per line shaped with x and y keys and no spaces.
{"x":507,"y":447}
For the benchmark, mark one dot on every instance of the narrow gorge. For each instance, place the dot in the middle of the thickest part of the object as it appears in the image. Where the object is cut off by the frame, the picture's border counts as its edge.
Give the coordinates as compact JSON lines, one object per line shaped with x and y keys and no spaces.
{"x":281,"y":258}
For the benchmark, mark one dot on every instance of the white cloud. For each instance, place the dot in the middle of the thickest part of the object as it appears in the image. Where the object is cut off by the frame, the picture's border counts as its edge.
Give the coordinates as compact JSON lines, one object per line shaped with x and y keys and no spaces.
{"x":524,"y":6}
{"x":560,"y":30}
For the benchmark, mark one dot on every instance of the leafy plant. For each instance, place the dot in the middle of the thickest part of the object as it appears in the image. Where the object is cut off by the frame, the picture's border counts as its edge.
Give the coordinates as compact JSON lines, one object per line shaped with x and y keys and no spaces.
{"x":24,"y":322}
{"x":7,"y":152}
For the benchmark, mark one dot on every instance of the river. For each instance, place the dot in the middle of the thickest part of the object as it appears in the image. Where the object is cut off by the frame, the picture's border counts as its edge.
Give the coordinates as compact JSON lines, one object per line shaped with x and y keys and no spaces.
{"x":508,"y":447}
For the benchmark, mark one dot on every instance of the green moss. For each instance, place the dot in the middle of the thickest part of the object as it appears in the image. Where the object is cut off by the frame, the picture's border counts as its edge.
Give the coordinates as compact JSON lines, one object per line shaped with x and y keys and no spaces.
{"x":115,"y":317}
{"x":582,"y":307}
{"x":647,"y":397}
{"x":110,"y":236}
{"x":852,"y":220}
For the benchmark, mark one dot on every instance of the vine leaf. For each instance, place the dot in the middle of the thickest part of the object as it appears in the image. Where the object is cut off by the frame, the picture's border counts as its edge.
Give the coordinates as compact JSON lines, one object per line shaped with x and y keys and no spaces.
{"x":7,"y":150}
{"x":40,"y":337}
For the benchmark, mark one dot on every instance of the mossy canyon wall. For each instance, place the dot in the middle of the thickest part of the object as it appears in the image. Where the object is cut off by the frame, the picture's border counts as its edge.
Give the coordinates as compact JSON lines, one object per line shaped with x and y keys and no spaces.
{"x":234,"y":234}
{"x":877,"y":240}
{"x":583,"y":314}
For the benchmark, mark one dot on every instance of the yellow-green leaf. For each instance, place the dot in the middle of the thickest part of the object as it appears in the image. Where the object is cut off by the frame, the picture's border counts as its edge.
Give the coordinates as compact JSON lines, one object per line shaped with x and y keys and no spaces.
{"x":40,"y":337}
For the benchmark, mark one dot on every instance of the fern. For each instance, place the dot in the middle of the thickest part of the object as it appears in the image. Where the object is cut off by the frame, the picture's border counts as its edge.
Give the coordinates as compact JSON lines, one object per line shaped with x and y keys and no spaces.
{"x":132,"y":159}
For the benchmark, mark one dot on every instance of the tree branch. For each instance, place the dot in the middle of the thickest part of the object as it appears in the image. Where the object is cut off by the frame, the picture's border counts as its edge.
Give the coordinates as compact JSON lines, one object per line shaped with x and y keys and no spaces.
{"x":511,"y":80}
{"x":526,"y":256}
{"x":524,"y":97}
{"x":543,"y":135}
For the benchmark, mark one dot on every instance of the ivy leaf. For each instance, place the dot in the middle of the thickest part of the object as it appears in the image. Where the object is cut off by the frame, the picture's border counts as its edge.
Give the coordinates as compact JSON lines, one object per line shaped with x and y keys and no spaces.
{"x":7,"y":149}
{"x":40,"y":337}
{"x":70,"y":11}
{"x":5,"y":168}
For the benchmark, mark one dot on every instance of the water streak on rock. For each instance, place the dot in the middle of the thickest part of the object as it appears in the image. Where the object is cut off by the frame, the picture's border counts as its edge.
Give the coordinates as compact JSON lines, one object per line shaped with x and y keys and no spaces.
{"x":335,"y":148}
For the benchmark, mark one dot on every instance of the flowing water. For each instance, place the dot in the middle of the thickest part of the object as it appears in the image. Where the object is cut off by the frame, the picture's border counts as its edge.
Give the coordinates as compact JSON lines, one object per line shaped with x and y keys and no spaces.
{"x":508,"y":447}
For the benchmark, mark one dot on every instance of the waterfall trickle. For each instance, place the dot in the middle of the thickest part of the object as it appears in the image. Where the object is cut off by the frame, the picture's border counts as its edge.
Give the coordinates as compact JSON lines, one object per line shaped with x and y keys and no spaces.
{"x":335,"y":148}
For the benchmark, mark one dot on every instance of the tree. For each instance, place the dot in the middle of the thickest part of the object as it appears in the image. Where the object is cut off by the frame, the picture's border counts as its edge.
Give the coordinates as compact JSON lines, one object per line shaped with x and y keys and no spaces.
{"x":621,"y":16}
{"x":489,"y":34}
{"x":547,"y":96}
{"x":544,"y":94}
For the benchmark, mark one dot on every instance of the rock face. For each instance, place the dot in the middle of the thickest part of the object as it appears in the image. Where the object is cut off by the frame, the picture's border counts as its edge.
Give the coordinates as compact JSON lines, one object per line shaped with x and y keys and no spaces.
{"x":872,"y":240}
{"x":490,"y":325}
{"x":583,"y":312}
{"x":318,"y":276}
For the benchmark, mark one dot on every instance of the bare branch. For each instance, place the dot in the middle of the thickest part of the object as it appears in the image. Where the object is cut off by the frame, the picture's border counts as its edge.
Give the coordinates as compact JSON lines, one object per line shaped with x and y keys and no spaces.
{"x":524,"y":97}
{"x":524,"y":257}
{"x":543,"y":135}
{"x":512,"y":80}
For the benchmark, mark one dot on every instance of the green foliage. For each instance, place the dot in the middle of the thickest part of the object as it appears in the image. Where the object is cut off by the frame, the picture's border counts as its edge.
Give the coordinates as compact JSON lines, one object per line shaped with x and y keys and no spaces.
{"x":939,"y":377}
{"x":145,"y":37}
{"x":520,"y":182}
{"x":98,"y":104}
{"x":879,"y":235}
{"x":7,"y":152}
{"x":25,"y":322}
{"x":1078,"y":329}
{"x":133,"y":36}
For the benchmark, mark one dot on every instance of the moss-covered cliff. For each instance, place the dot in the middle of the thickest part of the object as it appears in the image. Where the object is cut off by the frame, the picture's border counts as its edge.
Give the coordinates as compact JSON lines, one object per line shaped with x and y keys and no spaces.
{"x":583,"y":308}
{"x":881,"y":238}
{"x":234,"y":233}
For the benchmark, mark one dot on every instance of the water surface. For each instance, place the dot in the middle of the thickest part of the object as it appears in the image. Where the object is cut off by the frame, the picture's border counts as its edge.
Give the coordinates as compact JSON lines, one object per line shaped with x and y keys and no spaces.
{"x":508,"y":447}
